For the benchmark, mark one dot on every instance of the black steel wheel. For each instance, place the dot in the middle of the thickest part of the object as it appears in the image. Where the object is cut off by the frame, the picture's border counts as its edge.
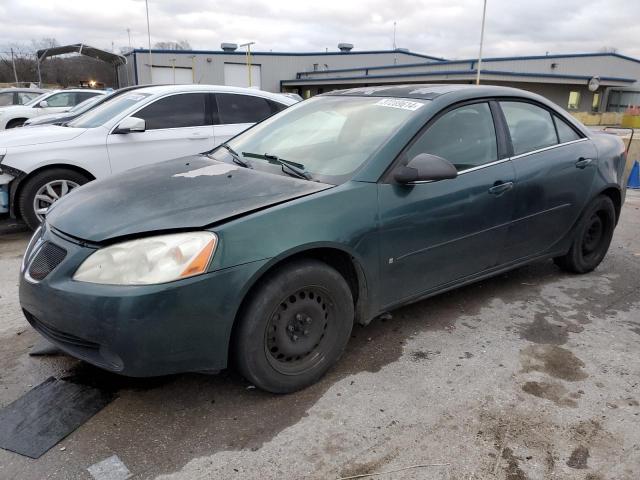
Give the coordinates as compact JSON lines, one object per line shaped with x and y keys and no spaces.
{"x":294,"y":327}
{"x":592,"y":237}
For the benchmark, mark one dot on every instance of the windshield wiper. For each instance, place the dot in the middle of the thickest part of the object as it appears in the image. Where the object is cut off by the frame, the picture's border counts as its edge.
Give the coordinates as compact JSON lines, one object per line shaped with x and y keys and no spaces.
{"x":235,"y":157}
{"x":288,"y":167}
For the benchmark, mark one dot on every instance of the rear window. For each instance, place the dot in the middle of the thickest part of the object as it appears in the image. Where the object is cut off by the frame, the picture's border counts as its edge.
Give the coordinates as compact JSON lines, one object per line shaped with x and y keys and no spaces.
{"x":565,"y":132}
{"x":235,"y":108}
{"x":531,"y":127}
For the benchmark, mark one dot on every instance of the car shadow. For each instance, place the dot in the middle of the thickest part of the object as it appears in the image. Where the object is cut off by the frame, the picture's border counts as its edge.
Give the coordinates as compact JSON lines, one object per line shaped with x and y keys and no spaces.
{"x":194,"y":415}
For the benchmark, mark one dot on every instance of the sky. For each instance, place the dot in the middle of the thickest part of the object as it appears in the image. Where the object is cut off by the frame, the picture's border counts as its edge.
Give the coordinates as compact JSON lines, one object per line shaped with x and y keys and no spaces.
{"x":443,"y":28}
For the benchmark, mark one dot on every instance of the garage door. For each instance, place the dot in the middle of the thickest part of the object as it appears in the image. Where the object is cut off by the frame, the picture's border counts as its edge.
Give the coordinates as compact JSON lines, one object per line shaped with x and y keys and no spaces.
{"x":237,"y":75}
{"x":169,"y":75}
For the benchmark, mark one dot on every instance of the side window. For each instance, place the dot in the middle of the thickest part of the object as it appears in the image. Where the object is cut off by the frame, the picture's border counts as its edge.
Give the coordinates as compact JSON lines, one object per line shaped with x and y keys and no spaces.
{"x":6,"y":99}
{"x":82,"y":96}
{"x":465,"y":136}
{"x":64,"y":99}
{"x":565,"y":132}
{"x":176,"y":111}
{"x":275,"y":106}
{"x":26,"y":97}
{"x":531,"y":127}
{"x":234,"y":108}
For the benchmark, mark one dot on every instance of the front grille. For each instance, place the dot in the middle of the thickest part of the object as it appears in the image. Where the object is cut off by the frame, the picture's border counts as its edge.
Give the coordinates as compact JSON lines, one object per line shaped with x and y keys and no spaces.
{"x":48,"y":257}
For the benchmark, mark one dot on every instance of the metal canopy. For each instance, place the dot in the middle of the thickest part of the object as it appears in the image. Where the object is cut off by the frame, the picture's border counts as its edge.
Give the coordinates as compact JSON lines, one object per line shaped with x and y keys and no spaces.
{"x":82,"y":49}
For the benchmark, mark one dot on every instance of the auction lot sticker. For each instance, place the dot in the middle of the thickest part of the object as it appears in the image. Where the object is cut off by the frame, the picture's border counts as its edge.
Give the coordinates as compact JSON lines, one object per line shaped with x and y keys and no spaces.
{"x":399,"y":103}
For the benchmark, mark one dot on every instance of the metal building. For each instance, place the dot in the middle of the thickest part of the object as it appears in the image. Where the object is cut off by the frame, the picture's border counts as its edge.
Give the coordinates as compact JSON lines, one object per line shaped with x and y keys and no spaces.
{"x":580,"y":82}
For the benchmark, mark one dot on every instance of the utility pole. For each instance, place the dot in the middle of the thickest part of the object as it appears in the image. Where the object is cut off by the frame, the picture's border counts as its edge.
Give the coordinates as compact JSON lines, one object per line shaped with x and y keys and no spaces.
{"x":129,"y":34}
{"x":484,"y":12}
{"x":146,"y":2}
{"x":395,"y":58}
{"x":248,"y":45}
{"x":13,"y":62}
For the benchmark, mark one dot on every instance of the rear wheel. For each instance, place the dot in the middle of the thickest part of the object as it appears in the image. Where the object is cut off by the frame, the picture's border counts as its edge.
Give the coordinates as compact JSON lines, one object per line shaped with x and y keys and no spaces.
{"x":592,"y":237}
{"x":45,"y":188}
{"x":294,"y":327}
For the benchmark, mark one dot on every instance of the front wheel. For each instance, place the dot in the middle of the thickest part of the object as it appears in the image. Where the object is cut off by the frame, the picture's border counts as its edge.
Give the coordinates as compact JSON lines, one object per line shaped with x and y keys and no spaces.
{"x":294,"y":327}
{"x":592,"y":237}
{"x":45,"y":188}
{"x":18,"y":122}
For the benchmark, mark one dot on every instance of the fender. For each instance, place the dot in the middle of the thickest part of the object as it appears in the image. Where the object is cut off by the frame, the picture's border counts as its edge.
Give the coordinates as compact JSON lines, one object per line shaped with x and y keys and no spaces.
{"x":363,"y":310}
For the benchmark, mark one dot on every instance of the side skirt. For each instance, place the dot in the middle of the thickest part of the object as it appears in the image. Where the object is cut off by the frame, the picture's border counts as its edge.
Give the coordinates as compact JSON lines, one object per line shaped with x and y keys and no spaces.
{"x":470,"y":279}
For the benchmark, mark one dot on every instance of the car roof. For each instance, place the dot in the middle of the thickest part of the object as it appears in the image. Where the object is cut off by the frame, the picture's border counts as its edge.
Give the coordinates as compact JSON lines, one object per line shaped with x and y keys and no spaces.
{"x":429,"y":91}
{"x":162,"y":89}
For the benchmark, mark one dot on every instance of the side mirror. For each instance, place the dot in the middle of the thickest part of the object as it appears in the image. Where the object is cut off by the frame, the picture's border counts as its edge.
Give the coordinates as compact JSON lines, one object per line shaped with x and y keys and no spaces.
{"x":131,"y":124}
{"x":43,"y":104}
{"x":425,"y":168}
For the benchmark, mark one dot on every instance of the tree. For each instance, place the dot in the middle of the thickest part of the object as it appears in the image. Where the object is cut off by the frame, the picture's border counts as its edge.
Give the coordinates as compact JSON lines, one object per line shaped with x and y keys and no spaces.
{"x":171,"y":45}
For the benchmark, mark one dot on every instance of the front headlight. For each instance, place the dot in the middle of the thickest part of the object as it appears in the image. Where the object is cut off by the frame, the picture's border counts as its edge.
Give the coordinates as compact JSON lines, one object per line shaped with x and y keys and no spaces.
{"x":147,"y":261}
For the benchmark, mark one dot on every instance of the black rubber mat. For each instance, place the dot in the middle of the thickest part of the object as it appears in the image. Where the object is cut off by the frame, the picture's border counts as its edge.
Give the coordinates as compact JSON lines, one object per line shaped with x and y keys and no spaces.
{"x":48,"y":413}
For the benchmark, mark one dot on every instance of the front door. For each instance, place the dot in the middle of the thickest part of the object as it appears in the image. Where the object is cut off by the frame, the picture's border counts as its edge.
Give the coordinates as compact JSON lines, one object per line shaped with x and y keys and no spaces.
{"x":555,"y":168}
{"x":437,"y":233}
{"x":176,"y":126}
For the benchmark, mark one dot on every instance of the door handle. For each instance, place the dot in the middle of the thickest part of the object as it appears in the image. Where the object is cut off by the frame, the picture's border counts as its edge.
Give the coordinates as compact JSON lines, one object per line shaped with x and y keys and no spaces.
{"x":500,"y":187}
{"x":583,"y":162}
{"x":198,"y":137}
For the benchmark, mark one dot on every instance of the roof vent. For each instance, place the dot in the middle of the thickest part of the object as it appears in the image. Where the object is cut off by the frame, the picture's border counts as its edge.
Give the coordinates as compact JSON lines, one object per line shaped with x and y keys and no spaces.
{"x":229,"y":47}
{"x":345,"y":47}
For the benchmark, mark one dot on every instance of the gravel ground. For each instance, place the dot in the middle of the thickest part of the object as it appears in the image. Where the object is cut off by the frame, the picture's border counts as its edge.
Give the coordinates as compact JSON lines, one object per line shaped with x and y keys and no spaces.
{"x":534,"y":374}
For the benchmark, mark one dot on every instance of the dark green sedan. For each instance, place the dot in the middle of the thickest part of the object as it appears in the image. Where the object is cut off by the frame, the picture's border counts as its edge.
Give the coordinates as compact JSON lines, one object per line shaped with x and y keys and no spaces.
{"x":264,"y":252}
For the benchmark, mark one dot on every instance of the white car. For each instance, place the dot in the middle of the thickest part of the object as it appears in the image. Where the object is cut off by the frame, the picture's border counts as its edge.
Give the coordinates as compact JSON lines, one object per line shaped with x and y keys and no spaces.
{"x":55,"y":101}
{"x":40,"y":164}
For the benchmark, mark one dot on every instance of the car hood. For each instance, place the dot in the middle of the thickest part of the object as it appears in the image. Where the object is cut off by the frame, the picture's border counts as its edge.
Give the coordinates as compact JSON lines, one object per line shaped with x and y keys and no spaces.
{"x":191,"y":192}
{"x":20,"y":137}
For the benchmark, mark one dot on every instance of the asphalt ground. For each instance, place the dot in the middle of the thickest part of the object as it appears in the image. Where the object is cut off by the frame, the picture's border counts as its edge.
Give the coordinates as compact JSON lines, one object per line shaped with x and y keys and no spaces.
{"x":534,"y":374}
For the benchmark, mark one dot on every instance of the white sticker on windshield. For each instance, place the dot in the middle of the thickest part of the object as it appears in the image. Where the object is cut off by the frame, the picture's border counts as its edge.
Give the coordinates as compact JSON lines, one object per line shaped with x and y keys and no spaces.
{"x":209,"y":171}
{"x":399,"y":103}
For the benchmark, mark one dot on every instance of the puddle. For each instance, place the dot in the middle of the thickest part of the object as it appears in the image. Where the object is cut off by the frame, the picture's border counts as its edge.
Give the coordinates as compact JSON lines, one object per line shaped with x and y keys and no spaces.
{"x":554,"y":392}
{"x":578,"y":458}
{"x":555,"y":361}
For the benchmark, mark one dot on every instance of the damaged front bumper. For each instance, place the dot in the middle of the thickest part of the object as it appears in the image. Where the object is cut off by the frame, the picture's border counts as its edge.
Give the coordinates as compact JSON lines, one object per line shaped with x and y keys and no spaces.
{"x":10,"y":178}
{"x":5,"y":182}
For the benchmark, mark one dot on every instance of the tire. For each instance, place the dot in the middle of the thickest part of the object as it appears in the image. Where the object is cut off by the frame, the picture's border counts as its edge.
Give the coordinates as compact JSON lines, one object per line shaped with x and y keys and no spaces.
{"x":592,"y":237}
{"x":294,"y":327}
{"x":18,"y":122}
{"x":55,"y":177}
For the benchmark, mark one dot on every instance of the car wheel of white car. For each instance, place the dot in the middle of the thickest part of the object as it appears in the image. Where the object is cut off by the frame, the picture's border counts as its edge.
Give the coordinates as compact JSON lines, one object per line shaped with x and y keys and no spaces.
{"x":18,"y":122}
{"x":44,"y":189}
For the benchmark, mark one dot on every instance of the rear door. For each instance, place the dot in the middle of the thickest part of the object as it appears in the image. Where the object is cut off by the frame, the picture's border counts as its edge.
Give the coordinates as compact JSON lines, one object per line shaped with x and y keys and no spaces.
{"x":555,"y":168}
{"x":176,"y":126}
{"x":237,"y":112}
{"x":437,"y":233}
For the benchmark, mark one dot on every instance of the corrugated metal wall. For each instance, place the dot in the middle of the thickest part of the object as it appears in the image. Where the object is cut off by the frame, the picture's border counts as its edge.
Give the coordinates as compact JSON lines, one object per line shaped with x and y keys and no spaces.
{"x":209,"y":67}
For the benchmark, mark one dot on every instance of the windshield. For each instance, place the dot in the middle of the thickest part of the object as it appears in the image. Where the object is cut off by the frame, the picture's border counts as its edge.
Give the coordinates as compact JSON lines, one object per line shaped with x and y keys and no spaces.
{"x":103,"y":113}
{"x":328,"y":138}
{"x":37,"y":100}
